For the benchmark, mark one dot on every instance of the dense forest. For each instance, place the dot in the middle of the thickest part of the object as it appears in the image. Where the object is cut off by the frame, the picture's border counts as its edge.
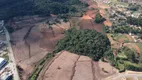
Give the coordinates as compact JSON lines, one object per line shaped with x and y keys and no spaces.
{"x":85,"y":42}
{"x":15,"y":8}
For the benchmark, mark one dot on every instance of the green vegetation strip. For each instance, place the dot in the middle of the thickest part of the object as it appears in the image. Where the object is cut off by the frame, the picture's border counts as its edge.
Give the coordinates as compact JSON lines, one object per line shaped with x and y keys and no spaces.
{"x":40,"y":66}
{"x":6,"y":56}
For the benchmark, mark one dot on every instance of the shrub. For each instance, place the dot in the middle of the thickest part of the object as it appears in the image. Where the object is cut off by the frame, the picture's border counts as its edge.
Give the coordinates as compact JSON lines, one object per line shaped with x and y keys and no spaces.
{"x":99,"y":18}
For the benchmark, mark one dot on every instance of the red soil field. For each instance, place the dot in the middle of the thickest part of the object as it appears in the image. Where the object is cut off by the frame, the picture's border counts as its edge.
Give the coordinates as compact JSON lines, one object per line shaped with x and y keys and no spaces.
{"x":87,"y":21}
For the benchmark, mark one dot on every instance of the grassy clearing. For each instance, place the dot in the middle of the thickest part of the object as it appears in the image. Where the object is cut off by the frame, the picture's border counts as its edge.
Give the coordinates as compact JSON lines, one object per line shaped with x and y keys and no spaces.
{"x":120,"y":37}
{"x":140,"y":46}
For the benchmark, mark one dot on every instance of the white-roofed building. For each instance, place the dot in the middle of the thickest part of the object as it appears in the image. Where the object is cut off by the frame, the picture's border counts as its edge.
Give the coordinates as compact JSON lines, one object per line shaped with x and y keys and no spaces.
{"x":2,"y":62}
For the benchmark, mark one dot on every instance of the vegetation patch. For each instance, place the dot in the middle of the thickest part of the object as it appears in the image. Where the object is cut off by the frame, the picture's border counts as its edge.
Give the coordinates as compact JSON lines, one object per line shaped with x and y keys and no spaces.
{"x":120,"y":37}
{"x":40,"y":66}
{"x":140,"y":46}
{"x":99,"y":18}
{"x":127,"y":59}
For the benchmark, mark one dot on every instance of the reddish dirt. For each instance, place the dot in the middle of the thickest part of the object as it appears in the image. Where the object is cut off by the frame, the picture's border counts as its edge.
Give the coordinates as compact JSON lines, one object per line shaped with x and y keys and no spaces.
{"x":69,"y":66}
{"x":107,"y":23}
{"x":87,"y":21}
{"x":102,"y":12}
{"x":89,"y":24}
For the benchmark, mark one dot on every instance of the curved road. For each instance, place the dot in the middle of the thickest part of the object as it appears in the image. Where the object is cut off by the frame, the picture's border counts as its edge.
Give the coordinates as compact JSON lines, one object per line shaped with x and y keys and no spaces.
{"x":11,"y":57}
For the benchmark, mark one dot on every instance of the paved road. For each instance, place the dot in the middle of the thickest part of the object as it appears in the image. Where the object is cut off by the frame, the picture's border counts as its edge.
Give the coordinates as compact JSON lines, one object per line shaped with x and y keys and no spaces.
{"x":11,"y":57}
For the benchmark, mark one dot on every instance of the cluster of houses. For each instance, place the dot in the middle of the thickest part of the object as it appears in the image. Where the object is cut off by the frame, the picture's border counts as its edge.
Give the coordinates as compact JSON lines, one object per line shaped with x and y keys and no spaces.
{"x":122,"y":12}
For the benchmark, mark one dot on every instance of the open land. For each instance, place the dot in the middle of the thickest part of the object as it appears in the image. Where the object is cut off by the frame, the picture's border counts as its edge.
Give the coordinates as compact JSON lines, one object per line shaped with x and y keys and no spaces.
{"x":76,"y":68}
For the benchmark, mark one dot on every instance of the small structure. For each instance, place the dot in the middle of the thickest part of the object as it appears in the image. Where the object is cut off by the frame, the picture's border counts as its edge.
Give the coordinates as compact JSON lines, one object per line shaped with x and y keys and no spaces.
{"x":2,"y":63}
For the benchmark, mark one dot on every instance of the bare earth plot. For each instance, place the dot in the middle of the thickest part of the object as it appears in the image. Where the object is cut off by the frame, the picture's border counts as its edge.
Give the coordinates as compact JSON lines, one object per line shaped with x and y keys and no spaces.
{"x":30,"y":44}
{"x":87,"y":21}
{"x":69,"y":66}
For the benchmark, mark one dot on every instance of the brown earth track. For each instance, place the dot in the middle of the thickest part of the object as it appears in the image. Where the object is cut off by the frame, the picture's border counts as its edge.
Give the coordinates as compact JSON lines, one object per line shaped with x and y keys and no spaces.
{"x":93,"y":71}
{"x":73,"y":69}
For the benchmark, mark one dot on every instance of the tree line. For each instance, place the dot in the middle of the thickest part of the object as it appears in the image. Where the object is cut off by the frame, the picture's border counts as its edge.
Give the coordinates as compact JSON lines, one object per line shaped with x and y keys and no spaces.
{"x":15,"y":8}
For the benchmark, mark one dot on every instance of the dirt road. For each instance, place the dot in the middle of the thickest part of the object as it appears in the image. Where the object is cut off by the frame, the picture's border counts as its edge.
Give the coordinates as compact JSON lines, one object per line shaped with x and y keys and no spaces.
{"x":11,"y":57}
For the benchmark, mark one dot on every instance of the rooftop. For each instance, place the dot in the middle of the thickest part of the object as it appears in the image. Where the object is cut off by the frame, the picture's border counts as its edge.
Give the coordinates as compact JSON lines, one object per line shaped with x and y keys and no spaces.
{"x":1,"y":59}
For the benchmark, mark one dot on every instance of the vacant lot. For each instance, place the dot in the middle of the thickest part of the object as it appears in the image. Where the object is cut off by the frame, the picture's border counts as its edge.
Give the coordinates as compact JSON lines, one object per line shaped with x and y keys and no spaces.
{"x":69,"y":66}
